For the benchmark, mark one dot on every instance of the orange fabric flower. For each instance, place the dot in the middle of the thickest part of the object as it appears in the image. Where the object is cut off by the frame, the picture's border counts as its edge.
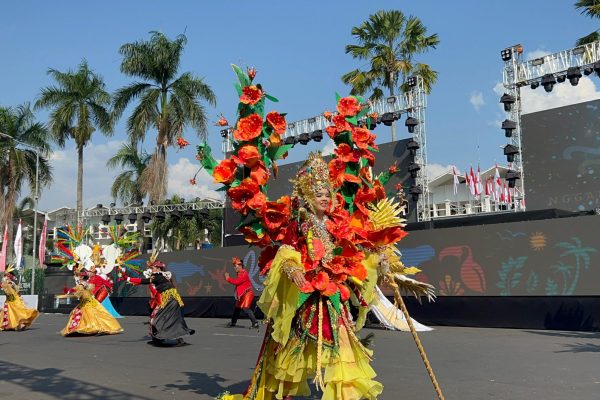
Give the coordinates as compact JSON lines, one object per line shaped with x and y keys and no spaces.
{"x":337,"y":170}
{"x":348,"y":106}
{"x":193,"y":181}
{"x":344,"y":292}
{"x":222,"y":121}
{"x":277,"y":122}
{"x":345,"y":153}
{"x":250,"y":235}
{"x":240,"y":195}
{"x":320,"y":281}
{"x":340,"y":125}
{"x":363,"y":138}
{"x":251,"y":73}
{"x":369,"y":156}
{"x":257,"y":202}
{"x":364,"y":196}
{"x":225,"y":172}
{"x":327,"y":115}
{"x":259,"y":173}
{"x":276,"y":213}
{"x":251,"y":95}
{"x":181,"y":142}
{"x":275,"y":139}
{"x":248,"y":155}
{"x":248,"y":128}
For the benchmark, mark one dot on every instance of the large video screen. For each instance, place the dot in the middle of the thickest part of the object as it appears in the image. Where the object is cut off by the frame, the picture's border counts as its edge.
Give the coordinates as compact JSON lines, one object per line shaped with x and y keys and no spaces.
{"x":561,"y":154}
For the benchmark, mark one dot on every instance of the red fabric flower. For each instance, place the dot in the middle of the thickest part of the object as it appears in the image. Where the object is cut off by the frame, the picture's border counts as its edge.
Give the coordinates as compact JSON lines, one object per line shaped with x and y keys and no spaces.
{"x":193,"y":181}
{"x":259,"y":173}
{"x":337,"y":171}
{"x":363,"y":138}
{"x":225,"y":172}
{"x":327,"y":115}
{"x":348,"y":106}
{"x":345,"y":153}
{"x":266,"y":258}
{"x":363,"y":197}
{"x":181,"y":142}
{"x":248,"y":128}
{"x":251,"y":95}
{"x":248,"y":155}
{"x":320,"y":281}
{"x":240,"y":195}
{"x":251,"y":73}
{"x":368,"y":155}
{"x":258,"y":239}
{"x":277,"y":122}
{"x":393,"y":168}
{"x":340,"y":125}
{"x":257,"y":202}
{"x":276,"y":213}
{"x":344,"y":292}
{"x":222,"y":121}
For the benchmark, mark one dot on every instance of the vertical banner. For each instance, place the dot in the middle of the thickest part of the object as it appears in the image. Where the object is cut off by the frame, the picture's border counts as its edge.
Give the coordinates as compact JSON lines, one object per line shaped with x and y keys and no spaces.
{"x":18,"y":247}
{"x":42,"y":248}
{"x":4,"y":249}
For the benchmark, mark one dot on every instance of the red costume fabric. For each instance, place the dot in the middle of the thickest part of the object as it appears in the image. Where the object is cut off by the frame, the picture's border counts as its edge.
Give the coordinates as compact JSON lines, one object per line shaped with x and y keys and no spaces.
{"x":243,"y":289}
{"x":155,"y":297}
{"x":102,"y":287}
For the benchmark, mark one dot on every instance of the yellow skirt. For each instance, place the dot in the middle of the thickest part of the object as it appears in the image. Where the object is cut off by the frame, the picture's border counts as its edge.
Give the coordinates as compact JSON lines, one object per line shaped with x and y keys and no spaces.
{"x":91,"y":318}
{"x":15,"y":315}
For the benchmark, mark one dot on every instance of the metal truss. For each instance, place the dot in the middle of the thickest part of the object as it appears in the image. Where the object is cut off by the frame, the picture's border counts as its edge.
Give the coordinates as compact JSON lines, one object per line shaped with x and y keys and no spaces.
{"x":152,"y":209}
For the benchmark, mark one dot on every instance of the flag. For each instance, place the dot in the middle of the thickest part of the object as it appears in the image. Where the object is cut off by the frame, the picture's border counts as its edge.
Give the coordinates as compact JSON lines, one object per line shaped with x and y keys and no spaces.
{"x":487,"y":186}
{"x":479,"y":183}
{"x":18,"y":247}
{"x":497,"y":183}
{"x":455,"y":181}
{"x":42,"y":248}
{"x":472,"y":182}
{"x":4,"y":249}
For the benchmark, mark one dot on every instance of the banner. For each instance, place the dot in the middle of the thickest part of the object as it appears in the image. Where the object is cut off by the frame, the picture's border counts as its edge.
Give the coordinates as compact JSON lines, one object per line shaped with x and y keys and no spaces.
{"x":42,"y":248}
{"x":4,"y":249}
{"x":18,"y":247}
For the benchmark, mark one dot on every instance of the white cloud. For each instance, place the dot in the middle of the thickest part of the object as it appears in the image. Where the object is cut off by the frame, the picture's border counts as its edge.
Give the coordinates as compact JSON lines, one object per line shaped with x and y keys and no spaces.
{"x":477,"y":100}
{"x":179,"y":181}
{"x":563,"y":94}
{"x":435,"y":170}
{"x":537,"y":53}
{"x":328,"y":148}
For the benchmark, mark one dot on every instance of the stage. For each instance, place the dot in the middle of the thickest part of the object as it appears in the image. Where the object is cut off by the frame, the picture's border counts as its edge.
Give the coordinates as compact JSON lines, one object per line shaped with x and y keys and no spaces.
{"x":470,"y":363}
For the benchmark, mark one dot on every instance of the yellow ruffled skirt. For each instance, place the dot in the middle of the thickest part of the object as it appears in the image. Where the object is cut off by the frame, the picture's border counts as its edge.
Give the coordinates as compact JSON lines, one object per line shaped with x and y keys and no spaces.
{"x":15,"y":315}
{"x":91,"y":318}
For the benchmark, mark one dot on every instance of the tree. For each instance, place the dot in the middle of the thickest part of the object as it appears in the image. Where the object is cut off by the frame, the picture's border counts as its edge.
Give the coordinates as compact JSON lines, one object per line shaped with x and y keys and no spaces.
{"x":80,"y":105}
{"x":389,"y":41}
{"x":166,"y":102}
{"x":127,"y":186}
{"x":591,"y":8}
{"x":18,"y":159}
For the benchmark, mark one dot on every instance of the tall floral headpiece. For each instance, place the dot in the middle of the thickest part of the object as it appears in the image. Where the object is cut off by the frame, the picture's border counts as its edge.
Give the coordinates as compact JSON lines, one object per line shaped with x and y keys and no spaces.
{"x":312,"y":177}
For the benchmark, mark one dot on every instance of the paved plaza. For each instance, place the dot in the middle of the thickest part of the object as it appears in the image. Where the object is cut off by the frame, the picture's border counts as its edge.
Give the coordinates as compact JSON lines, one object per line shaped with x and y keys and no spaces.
{"x":470,"y":363}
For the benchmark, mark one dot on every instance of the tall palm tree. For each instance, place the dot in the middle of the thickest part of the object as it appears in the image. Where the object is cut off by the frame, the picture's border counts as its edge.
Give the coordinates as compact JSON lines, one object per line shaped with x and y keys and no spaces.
{"x":80,"y":105}
{"x":127,"y":186}
{"x":166,"y":102}
{"x":389,"y":40}
{"x":591,"y":8}
{"x":18,"y":159}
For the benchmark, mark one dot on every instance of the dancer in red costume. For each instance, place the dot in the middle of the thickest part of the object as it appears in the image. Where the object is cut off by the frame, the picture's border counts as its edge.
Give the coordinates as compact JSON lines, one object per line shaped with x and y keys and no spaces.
{"x":244,"y":295}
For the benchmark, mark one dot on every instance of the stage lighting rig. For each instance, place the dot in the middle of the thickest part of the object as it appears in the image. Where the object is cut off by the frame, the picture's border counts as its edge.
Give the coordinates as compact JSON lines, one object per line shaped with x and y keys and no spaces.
{"x":146,"y":217}
{"x":415,"y":192}
{"x":534,"y":85}
{"x":573,"y":75}
{"x":414,"y":169}
{"x":412,"y":146}
{"x":290,"y":140}
{"x":119,"y":218}
{"x":510,"y":151}
{"x":105,"y":219}
{"x":548,"y":82}
{"x":506,"y":54}
{"x":317,"y":135}
{"x":132,"y":218}
{"x":412,"y":81}
{"x":410,"y":123}
{"x":507,"y":100}
{"x":508,"y":126}
{"x":304,"y":138}
{"x":224,"y":133}
{"x":511,"y":177}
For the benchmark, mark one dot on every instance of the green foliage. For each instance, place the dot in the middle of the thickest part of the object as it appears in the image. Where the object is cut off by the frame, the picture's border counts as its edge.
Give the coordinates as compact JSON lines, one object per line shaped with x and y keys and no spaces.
{"x":510,"y":274}
{"x":590,"y":8}
{"x":26,"y":281}
{"x":128,"y":185}
{"x":533,"y":282}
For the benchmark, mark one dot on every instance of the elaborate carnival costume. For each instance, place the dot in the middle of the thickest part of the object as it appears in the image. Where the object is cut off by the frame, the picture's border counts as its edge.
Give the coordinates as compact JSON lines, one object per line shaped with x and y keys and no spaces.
{"x":316,"y":263}
{"x":14,"y":314}
{"x":166,"y":319}
{"x":89,"y":317}
{"x":244,"y":295}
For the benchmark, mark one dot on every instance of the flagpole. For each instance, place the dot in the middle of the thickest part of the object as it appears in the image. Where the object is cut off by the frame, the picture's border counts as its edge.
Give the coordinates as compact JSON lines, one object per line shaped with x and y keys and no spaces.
{"x":35,"y":212}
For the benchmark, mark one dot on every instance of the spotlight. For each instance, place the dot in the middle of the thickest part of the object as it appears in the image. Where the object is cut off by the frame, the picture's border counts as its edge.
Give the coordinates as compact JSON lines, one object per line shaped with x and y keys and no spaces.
{"x":118,"y":218}
{"x":506,"y":54}
{"x":317,"y":135}
{"x":290,"y":140}
{"x":588,"y":71}
{"x":508,"y":127}
{"x":410,"y":123}
{"x":224,"y":133}
{"x":573,"y":75}
{"x":537,"y":61}
{"x":415,"y":192}
{"x":146,"y":217}
{"x":132,"y":218}
{"x":98,"y":205}
{"x":204,"y":213}
{"x":534,"y":85}
{"x":508,"y":101}
{"x":411,"y":81}
{"x":106,"y":219}
{"x":312,"y":120}
{"x":175,"y":214}
{"x":510,"y":151}
{"x":160,"y":216}
{"x":548,"y":82}
{"x":304,"y":138}
{"x":412,"y":146}
{"x":188,"y":214}
{"x":414,"y":169}
{"x":579,"y":51}
{"x":511,"y":177}
{"x":387,"y":119}
{"x":597,"y":68}
{"x":291,"y":125}
{"x":561,"y":79}
{"x":391,"y":100}
{"x":113,"y":204}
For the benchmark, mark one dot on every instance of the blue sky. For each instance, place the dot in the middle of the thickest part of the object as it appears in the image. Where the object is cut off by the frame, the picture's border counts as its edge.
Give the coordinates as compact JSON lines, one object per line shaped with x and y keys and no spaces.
{"x":298,"y":49}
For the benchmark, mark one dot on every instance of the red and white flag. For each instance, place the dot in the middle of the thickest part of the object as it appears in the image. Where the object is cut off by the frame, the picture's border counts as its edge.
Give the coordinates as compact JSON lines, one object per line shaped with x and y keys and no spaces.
{"x":42,"y":248}
{"x":487,"y":186}
{"x":4,"y":249}
{"x":455,"y":181}
{"x":479,"y":186}
{"x":18,"y":247}
{"x":472,"y":183}
{"x":497,"y":184}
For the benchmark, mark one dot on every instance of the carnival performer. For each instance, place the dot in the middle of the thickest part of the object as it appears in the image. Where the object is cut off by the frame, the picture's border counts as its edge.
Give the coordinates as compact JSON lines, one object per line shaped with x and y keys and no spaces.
{"x":166,"y":319}
{"x":14,"y":315}
{"x":244,"y":295}
{"x":89,"y":317}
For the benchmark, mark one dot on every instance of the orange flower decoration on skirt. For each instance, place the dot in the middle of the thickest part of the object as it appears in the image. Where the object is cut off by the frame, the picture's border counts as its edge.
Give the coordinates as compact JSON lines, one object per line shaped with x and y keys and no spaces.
{"x":276,"y":213}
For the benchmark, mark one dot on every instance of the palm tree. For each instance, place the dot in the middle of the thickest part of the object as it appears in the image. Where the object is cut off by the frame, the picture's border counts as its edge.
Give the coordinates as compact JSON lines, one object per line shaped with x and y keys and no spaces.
{"x":591,"y":8}
{"x":389,"y":41}
{"x":80,"y":105}
{"x":18,"y":158}
{"x":127,"y":186}
{"x":166,"y":102}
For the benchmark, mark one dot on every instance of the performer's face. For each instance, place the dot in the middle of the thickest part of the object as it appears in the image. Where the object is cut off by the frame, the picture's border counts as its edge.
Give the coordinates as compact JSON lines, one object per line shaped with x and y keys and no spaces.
{"x":237,"y":267}
{"x":322,"y":200}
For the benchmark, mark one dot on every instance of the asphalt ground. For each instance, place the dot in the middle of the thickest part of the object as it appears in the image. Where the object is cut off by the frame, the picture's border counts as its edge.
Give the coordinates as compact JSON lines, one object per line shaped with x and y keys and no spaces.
{"x":469,"y":363}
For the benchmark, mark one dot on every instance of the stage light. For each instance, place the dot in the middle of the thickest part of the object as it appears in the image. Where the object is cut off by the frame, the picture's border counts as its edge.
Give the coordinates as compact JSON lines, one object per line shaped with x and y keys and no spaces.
{"x":132,"y":218}
{"x":188,"y":214}
{"x":312,"y":120}
{"x":290,"y":140}
{"x":291,"y":125}
{"x":537,"y":61}
{"x":98,"y":205}
{"x":224,"y":133}
{"x":317,"y":135}
{"x":414,"y":169}
{"x":573,"y":75}
{"x":106,"y":219}
{"x":579,"y":51}
{"x":175,"y":214}
{"x":506,"y":54}
{"x":146,"y":217}
{"x":511,"y":177}
{"x":410,"y":123}
{"x":510,"y":151}
{"x":372,"y":124}
{"x":304,"y":138}
{"x":412,"y":146}
{"x":391,"y":100}
{"x":118,"y":218}
{"x":534,"y":85}
{"x":387,"y":119}
{"x":113,"y":204}
{"x":597,"y":68}
{"x":415,"y":192}
{"x":412,"y":81}
{"x":548,"y":82}
{"x":561,"y":78}
{"x":508,"y":101}
{"x":508,"y":127}
{"x":588,"y":71}
{"x":159,"y":216}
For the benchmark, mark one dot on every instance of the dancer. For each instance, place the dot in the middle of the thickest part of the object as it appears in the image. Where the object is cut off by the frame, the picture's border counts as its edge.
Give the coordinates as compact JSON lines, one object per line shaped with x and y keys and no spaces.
{"x":89,"y":317}
{"x":166,"y":319}
{"x":14,"y":315}
{"x":244,"y":295}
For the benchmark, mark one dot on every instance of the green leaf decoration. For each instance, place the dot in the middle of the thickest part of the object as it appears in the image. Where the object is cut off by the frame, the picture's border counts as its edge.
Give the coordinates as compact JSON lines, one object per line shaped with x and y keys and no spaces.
{"x":352,"y":120}
{"x":273,"y":99}
{"x":208,"y":162}
{"x":302,"y":298}
{"x":242,"y":77}
{"x":275,"y":153}
{"x":337,"y":97}
{"x":343,"y":137}
{"x":384,"y":177}
{"x":336,"y":301}
{"x":362,"y":113}
{"x":238,"y":88}
{"x":243,"y":222}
